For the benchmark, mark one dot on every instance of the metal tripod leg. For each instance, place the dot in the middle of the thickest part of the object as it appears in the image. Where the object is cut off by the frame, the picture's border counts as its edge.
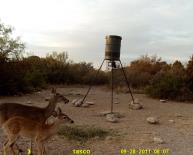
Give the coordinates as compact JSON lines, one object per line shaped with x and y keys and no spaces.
{"x":128,"y":85}
{"x":91,"y":84}
{"x":112,"y":90}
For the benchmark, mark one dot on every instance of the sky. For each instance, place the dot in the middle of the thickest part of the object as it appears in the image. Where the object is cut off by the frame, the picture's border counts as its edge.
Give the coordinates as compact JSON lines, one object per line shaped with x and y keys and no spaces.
{"x":154,"y":27}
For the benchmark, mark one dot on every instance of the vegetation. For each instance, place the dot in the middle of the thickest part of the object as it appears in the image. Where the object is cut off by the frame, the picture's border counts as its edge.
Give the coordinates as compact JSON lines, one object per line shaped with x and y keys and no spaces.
{"x":151,"y":74}
{"x":159,"y":79}
{"x":34,"y":73}
{"x":163,"y":80}
{"x":82,"y":133}
{"x":20,"y":74}
{"x":9,"y":47}
{"x":165,"y":86}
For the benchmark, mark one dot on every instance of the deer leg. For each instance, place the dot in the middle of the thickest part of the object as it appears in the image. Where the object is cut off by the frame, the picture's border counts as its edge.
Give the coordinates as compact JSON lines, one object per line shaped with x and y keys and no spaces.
{"x":17,"y":147}
{"x":20,"y":151}
{"x":12,"y":148}
{"x":4,"y":144}
{"x":10,"y":143}
{"x":44,"y":150}
{"x":39,"y":145}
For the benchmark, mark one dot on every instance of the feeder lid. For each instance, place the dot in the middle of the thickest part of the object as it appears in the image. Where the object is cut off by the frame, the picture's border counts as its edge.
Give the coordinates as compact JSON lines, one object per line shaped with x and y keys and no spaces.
{"x":113,"y":36}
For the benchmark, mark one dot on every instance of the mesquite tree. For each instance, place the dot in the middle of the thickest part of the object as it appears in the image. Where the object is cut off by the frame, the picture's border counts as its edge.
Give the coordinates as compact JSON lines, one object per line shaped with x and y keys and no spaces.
{"x":10,"y":47}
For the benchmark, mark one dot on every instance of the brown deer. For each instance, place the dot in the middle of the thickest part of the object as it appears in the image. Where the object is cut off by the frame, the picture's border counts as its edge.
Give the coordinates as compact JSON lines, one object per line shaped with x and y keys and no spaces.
{"x":8,"y":110}
{"x":18,"y":126}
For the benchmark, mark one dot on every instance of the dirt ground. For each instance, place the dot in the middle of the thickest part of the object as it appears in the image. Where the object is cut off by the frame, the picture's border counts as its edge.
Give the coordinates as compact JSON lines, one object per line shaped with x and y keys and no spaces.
{"x":133,"y":130}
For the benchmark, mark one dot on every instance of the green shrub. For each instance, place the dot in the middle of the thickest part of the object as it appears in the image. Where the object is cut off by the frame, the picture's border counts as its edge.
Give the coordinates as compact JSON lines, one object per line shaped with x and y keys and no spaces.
{"x":185,"y":95}
{"x":35,"y":79}
{"x":12,"y":78}
{"x":190,"y":84}
{"x":165,"y":86}
{"x":32,"y":73}
{"x":82,"y":133}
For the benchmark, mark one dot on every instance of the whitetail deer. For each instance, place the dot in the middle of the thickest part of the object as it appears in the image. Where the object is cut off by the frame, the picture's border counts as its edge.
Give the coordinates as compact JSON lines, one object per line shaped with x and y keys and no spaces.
{"x":18,"y":126}
{"x":8,"y":110}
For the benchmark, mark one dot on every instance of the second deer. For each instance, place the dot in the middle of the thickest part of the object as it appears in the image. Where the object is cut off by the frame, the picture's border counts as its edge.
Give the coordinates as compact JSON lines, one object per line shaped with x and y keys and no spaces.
{"x":19,"y":126}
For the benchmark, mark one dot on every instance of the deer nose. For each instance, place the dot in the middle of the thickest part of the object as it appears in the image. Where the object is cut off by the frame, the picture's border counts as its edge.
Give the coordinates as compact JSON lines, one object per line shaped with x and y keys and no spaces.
{"x":67,"y":101}
{"x":72,"y":121}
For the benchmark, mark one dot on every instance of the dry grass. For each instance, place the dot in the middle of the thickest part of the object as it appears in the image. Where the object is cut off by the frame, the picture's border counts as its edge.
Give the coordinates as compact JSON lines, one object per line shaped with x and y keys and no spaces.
{"x":82,"y":133}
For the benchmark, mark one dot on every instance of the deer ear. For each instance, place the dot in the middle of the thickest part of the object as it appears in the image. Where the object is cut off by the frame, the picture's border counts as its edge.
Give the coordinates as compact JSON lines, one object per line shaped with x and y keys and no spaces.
{"x":59,"y":111}
{"x":54,"y":113}
{"x":53,"y":90}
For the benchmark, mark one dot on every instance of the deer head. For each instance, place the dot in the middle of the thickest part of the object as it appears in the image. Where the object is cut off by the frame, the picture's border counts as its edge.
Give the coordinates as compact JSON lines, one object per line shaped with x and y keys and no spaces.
{"x":63,"y":117}
{"x":57,"y":97}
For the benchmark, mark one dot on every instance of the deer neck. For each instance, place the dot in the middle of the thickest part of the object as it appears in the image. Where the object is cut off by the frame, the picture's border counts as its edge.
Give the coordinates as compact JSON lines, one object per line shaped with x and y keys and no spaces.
{"x":50,"y":107}
{"x":53,"y":128}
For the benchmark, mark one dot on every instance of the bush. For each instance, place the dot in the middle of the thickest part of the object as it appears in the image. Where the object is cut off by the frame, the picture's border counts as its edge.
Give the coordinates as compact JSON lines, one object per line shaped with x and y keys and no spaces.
{"x":12,"y":78}
{"x":166,"y":86}
{"x":189,"y":69}
{"x":139,"y":79}
{"x":190,"y":84}
{"x":141,"y":71}
{"x":32,"y":73}
{"x":185,"y":95}
{"x":35,"y":79}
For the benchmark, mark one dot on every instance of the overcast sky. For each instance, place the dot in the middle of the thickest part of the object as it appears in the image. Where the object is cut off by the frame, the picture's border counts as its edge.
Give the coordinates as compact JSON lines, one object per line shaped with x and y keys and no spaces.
{"x":161,"y":27}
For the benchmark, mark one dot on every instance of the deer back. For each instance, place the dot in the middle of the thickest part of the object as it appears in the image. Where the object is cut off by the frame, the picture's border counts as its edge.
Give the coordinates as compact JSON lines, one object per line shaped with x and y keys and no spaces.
{"x":8,"y":110}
